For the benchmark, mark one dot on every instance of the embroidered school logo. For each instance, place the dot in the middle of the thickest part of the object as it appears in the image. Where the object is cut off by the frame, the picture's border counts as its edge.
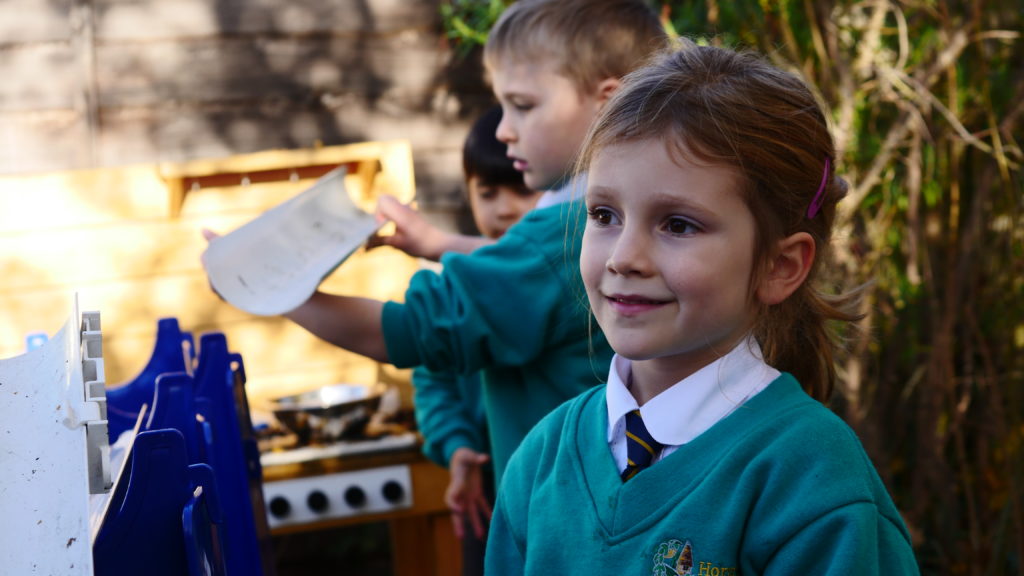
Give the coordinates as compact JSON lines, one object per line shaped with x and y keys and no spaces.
{"x":673,"y":558}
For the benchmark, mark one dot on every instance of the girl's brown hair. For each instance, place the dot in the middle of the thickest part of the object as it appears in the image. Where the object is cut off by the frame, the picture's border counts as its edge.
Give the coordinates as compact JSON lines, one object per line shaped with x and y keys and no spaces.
{"x":734,"y":108}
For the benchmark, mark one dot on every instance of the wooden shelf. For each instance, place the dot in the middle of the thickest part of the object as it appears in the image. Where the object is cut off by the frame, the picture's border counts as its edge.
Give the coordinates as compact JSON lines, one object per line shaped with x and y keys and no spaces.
{"x":365,"y":160}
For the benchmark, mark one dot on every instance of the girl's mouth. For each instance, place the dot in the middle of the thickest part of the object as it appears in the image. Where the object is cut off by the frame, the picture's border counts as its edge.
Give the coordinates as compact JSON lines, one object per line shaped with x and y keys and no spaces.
{"x":634,"y":300}
{"x":631,"y":304}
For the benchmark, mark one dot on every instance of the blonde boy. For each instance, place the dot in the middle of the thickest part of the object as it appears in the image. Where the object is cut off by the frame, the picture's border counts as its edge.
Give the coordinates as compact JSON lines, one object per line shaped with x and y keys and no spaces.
{"x":553,"y":65}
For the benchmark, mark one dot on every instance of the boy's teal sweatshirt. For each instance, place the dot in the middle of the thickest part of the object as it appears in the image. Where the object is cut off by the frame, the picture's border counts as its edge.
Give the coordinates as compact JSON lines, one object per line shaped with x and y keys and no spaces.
{"x":516,"y":311}
{"x":449,"y":413}
{"x":781,"y":486}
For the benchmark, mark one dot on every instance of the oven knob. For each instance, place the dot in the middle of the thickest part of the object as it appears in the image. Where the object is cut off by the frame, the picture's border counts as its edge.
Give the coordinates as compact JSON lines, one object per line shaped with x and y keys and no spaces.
{"x":317,"y":501}
{"x":280,"y":507}
{"x":355,"y":497}
{"x":393,"y":491}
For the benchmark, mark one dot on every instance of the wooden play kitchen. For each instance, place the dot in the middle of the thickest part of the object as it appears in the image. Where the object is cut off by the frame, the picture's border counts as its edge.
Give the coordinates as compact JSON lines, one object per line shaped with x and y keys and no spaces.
{"x":128,"y":240}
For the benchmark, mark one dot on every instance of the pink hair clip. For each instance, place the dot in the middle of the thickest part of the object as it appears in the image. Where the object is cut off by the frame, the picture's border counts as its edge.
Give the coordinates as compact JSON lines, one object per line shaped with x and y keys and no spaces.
{"x":819,"y":196}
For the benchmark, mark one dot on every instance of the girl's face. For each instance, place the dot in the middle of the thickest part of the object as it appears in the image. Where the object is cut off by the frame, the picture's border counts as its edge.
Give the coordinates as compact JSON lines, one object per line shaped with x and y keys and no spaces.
{"x":497,"y":207}
{"x":544,"y":119}
{"x":667,"y":257}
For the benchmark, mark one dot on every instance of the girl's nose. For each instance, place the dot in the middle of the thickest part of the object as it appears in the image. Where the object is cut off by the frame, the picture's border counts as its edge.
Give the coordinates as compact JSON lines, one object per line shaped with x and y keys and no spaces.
{"x":630,"y":254}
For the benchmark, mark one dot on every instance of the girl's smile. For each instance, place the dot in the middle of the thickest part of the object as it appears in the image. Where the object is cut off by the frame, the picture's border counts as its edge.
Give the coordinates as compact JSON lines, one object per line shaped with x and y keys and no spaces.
{"x":633,"y":304}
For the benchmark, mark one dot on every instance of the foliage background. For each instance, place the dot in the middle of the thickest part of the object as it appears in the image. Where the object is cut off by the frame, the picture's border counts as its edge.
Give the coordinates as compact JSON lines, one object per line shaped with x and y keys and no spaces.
{"x":927,"y":99}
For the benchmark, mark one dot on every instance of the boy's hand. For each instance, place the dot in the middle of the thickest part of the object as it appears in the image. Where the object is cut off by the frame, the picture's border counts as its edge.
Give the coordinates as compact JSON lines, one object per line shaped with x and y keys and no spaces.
{"x":413,"y":234}
{"x":209,"y":236}
{"x":465,"y":495}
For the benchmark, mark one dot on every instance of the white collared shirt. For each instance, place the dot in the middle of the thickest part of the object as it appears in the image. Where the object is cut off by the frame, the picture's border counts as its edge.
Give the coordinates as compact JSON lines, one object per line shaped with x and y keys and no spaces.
{"x":571,"y":190}
{"x":691,"y":406}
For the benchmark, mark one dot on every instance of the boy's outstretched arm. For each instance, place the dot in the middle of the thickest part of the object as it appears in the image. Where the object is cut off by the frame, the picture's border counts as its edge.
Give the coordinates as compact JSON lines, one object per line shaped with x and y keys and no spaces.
{"x":349,"y":322}
{"x":417,"y":237}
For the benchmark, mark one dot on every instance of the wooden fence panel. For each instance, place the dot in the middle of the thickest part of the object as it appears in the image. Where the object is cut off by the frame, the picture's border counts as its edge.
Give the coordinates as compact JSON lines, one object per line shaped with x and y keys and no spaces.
{"x":150,"y":19}
{"x":94,"y":83}
{"x":245,"y":71}
{"x":32,"y":21}
{"x":39,"y":77}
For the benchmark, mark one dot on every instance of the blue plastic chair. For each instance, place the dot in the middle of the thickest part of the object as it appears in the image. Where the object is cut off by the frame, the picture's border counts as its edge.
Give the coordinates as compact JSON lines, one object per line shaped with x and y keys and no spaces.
{"x":143,"y":530}
{"x":174,"y":351}
{"x":173,"y":406}
{"x":231,"y":449}
{"x":202,"y":525}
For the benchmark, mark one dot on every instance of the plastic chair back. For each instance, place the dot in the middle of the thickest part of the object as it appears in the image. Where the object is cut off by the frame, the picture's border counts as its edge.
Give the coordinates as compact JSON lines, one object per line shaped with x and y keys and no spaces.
{"x":174,"y":351}
{"x":141,"y":533}
{"x":202,"y":524}
{"x":174,"y":406}
{"x":231,"y":449}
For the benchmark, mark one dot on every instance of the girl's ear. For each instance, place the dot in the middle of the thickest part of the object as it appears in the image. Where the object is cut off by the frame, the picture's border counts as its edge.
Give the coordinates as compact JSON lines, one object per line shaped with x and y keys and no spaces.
{"x":788,"y":269}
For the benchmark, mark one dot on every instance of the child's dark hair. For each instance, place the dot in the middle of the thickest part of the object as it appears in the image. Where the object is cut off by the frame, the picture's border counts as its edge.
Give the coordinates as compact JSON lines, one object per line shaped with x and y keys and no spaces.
{"x":486,"y":157}
{"x":718,"y":106}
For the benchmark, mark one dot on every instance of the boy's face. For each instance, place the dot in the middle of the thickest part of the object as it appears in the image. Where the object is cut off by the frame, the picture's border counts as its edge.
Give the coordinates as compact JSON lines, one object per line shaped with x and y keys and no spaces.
{"x":497,"y":207}
{"x":544,"y":119}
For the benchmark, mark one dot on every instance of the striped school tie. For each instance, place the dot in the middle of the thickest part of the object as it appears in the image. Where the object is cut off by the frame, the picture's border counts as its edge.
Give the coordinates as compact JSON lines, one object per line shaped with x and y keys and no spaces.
{"x":641,"y":447}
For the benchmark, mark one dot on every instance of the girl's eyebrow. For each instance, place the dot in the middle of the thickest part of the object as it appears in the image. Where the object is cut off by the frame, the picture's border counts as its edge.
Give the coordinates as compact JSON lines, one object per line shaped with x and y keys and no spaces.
{"x":687,"y":206}
{"x":599,"y":191}
{"x":662,"y":201}
{"x":597,"y":196}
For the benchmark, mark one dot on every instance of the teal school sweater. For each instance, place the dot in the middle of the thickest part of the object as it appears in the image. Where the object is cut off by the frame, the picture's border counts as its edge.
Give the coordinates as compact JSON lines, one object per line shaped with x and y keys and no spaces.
{"x":779,"y":487}
{"x":449,"y":413}
{"x":515,"y":311}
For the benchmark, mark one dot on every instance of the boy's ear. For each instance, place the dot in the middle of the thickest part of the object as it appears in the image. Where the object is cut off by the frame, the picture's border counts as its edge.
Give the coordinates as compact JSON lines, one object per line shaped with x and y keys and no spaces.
{"x":605,"y":89}
{"x":788,"y":269}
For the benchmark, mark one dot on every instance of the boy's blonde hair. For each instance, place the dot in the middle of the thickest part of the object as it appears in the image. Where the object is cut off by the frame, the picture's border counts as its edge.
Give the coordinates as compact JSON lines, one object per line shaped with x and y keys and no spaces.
{"x":587,"y":40}
{"x":720,"y":107}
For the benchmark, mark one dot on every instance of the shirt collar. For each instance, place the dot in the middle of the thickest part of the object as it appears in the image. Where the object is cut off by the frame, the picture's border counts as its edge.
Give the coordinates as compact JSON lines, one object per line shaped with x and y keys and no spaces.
{"x":571,"y":190}
{"x":696,"y":403}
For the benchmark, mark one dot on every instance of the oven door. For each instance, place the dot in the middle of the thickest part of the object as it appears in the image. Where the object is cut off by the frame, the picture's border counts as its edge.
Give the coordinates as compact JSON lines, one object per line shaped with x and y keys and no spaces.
{"x":356,"y":513}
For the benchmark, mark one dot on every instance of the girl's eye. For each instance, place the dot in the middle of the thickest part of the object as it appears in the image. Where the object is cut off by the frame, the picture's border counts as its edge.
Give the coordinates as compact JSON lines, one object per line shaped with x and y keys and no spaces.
{"x":601,"y":216}
{"x":680,"y":226}
{"x":487,"y":193}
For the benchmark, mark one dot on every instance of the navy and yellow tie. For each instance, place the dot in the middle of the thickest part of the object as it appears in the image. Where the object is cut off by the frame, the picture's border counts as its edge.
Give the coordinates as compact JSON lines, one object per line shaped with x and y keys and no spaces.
{"x":641,"y":447}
